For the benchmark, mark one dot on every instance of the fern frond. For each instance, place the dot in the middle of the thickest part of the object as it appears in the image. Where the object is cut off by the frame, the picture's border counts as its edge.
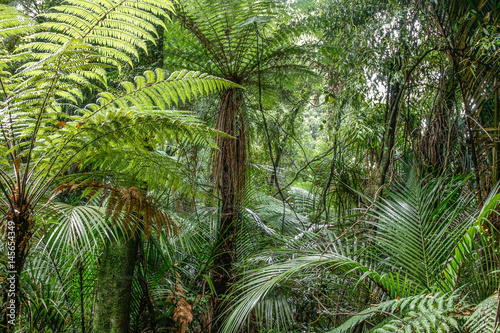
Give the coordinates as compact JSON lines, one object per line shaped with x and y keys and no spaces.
{"x":133,"y":116}
{"x":483,"y":317}
{"x":106,"y":25}
{"x":421,"y":313}
{"x":155,"y":169}
{"x":15,"y":23}
{"x":155,"y":90}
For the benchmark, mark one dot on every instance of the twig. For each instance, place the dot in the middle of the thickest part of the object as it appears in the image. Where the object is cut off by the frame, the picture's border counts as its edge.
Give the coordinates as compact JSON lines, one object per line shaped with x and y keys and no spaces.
{"x":361,"y":314}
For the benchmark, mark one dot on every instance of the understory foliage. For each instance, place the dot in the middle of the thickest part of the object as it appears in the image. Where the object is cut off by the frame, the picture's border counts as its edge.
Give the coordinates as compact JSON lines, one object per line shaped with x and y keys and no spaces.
{"x":249,"y":166}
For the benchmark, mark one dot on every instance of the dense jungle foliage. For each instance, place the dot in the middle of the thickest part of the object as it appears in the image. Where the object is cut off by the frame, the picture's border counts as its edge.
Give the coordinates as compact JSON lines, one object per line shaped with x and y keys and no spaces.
{"x":249,"y":166}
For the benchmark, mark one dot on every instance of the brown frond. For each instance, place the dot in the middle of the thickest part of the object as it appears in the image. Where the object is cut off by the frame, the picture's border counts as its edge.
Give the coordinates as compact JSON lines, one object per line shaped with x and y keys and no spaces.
{"x":130,"y":204}
{"x":183,"y":311}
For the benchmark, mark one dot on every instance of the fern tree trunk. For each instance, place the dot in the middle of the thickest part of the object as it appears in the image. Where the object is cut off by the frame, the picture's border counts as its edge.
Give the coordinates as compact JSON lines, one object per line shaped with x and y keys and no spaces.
{"x":230,"y":173}
{"x":114,"y":293}
{"x":19,"y":228}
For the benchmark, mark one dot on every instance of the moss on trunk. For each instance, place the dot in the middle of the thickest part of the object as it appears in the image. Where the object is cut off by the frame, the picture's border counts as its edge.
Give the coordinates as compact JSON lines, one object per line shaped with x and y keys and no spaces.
{"x":112,"y":312}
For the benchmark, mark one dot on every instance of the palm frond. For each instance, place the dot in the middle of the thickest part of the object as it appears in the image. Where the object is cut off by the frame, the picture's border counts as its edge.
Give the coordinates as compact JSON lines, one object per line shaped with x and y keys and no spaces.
{"x":75,"y":227}
{"x":414,"y":225}
{"x":129,"y":205}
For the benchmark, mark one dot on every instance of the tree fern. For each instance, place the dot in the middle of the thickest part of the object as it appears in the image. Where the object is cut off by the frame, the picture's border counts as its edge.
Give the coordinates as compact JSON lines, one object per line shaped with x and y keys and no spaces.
{"x":225,"y":33}
{"x":225,"y":39}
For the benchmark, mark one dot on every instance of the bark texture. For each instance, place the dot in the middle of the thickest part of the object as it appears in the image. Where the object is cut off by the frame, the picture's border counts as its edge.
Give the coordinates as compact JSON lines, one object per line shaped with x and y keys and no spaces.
{"x":112,"y":311}
{"x":230,"y":177}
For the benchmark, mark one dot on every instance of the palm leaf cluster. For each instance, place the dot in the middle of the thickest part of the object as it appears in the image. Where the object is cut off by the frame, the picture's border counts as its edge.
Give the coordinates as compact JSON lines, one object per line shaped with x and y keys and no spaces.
{"x":417,"y":271}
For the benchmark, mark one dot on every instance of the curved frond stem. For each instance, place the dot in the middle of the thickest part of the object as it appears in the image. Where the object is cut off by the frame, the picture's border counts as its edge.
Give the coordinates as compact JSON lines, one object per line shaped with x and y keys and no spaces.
{"x":103,"y":17}
{"x":37,"y":126}
{"x":192,"y":26}
{"x":9,"y":182}
{"x":7,"y":197}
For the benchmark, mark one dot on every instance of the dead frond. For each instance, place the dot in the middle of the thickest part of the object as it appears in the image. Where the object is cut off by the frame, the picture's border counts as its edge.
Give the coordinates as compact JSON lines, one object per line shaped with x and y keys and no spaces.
{"x":130,"y":205}
{"x":183,"y":311}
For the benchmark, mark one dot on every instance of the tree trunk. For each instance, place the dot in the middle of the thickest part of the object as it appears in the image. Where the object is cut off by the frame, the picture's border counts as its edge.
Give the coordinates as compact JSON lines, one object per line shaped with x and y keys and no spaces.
{"x":114,"y":293}
{"x":434,"y":147}
{"x":390,"y":131}
{"x":495,"y":170}
{"x":145,"y":320}
{"x":19,"y":228}
{"x":230,"y":176}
